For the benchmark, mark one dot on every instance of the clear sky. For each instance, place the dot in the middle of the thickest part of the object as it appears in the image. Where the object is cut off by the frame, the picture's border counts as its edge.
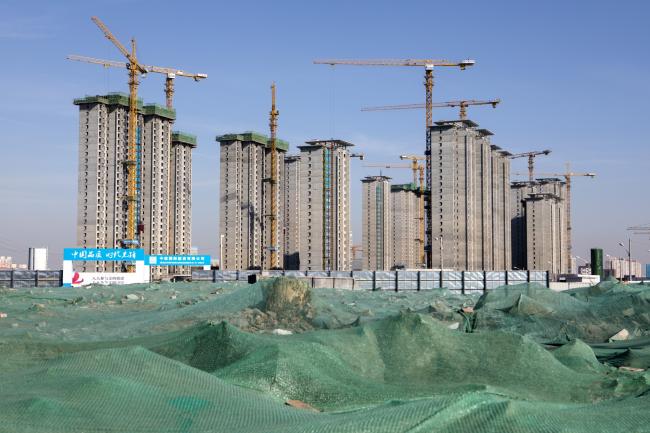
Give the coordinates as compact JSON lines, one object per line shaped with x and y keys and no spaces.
{"x":572,"y":75}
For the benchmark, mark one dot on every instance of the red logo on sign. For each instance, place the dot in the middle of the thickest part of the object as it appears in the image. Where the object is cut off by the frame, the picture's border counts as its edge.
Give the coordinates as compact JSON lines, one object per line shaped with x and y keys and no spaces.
{"x":76,"y":279}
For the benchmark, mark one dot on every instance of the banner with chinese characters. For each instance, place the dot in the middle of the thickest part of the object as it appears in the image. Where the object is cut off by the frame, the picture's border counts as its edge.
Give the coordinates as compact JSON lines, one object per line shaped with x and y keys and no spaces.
{"x":178,"y":260}
{"x":102,"y":254}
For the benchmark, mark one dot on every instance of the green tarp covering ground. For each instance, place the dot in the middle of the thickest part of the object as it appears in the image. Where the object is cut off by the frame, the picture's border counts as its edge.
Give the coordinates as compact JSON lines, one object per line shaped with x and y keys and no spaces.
{"x":198,"y":357}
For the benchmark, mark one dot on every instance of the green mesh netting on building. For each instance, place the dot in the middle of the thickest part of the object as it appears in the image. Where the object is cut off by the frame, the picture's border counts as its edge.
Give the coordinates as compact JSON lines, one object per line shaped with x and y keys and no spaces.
{"x":190,"y":357}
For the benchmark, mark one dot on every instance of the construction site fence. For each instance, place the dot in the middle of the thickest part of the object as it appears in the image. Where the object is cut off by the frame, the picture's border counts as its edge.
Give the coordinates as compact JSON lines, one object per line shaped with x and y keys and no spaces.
{"x":19,"y":279}
{"x":461,"y":281}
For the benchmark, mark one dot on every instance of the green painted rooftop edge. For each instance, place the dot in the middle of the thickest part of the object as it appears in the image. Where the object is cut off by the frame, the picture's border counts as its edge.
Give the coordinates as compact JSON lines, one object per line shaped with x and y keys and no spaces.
{"x":183,"y":137}
{"x":255,"y":137}
{"x":122,"y":99}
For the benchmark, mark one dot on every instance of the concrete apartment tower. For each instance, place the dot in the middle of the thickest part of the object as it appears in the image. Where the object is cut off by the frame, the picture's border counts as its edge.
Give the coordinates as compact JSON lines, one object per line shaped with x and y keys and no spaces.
{"x":539,"y":225}
{"x":376,"y":223}
{"x":405,"y":205}
{"x":180,"y":195}
{"x":245,"y":203}
{"x":102,"y":182}
{"x":325,"y":205}
{"x":470,"y":199}
{"x":290,"y":196}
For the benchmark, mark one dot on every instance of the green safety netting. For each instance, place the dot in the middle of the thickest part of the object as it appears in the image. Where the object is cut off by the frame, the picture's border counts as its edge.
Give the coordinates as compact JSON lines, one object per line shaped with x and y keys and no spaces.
{"x":203,"y":357}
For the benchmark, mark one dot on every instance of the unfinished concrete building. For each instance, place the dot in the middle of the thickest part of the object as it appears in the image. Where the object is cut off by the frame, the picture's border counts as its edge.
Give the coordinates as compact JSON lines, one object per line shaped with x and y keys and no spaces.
{"x":102,"y":183}
{"x":405,"y":231}
{"x":180,"y":196}
{"x":470,"y":198}
{"x":539,"y":225}
{"x":376,"y":223}
{"x":290,"y":196}
{"x":325,"y":205}
{"x":245,"y":205}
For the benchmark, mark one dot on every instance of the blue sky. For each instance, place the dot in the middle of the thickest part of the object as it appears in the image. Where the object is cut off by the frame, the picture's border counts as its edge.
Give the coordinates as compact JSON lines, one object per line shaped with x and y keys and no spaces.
{"x":572,"y":77}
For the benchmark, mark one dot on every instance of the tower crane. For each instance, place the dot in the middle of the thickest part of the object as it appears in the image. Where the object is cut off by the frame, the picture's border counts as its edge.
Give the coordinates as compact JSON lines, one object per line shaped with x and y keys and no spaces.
{"x":170,"y":73}
{"x":428,"y":65}
{"x":273,"y":124}
{"x":531,"y":160}
{"x":417,"y":168}
{"x":567,"y":175}
{"x":463,"y":104}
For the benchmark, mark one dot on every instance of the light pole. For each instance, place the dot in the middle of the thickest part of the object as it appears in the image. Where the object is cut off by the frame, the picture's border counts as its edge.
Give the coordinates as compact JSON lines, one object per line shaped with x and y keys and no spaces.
{"x":221,"y":251}
{"x":439,"y":238}
{"x":628,"y":250}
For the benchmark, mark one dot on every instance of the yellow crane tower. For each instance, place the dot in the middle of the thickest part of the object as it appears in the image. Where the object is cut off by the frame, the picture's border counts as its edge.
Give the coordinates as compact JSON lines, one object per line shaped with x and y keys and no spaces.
{"x":273,"y":124}
{"x":463,"y":104}
{"x":567,"y":175}
{"x":531,"y":160}
{"x":416,"y":168}
{"x":428,"y":65}
{"x":170,"y":73}
{"x":135,"y":68}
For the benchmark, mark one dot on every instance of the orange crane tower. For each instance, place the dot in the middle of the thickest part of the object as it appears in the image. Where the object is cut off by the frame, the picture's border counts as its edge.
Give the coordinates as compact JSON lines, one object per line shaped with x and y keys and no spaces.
{"x":531,"y":160}
{"x":463,"y":104}
{"x":428,"y":65}
{"x":170,"y":73}
{"x":567,"y":175}
{"x":417,"y":168}
{"x":273,"y":124}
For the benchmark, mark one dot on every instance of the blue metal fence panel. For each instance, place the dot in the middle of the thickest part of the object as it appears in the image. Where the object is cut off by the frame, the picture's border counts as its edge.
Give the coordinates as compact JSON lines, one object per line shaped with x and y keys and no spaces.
{"x":407,"y":275}
{"x":452,"y":285}
{"x":495,"y":275}
{"x":407,"y":285}
{"x":517,"y":277}
{"x":385,"y":284}
{"x":363,"y":284}
{"x":340,"y":274}
{"x":24,"y":275}
{"x":201,"y":275}
{"x":362,"y":275}
{"x":5,"y":275}
{"x":474,"y":285}
{"x":452,"y":275}
{"x":317,"y":274}
{"x":538,"y":276}
{"x":384,"y":275}
{"x":429,"y":284}
{"x":473,"y":275}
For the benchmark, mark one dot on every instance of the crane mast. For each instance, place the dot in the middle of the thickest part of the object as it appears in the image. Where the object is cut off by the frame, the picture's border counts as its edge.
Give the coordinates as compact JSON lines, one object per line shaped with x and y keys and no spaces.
{"x":273,"y":124}
{"x":531,"y":160}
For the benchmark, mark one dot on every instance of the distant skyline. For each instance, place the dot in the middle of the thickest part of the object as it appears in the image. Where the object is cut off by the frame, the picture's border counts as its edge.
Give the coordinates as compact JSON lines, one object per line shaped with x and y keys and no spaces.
{"x":572,"y":77}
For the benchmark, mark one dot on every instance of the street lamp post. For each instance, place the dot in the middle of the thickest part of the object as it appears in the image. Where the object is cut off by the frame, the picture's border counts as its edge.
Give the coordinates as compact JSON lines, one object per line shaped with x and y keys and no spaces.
{"x":629,"y":258}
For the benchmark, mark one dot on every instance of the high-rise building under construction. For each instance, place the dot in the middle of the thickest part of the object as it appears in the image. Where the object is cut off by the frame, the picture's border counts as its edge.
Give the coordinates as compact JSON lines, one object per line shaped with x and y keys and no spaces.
{"x":405,"y":212}
{"x":539,"y":225}
{"x":376,"y":223}
{"x":325,"y":205}
{"x":470,"y":198}
{"x":245,"y":205}
{"x":102,"y":183}
{"x":290,"y":196}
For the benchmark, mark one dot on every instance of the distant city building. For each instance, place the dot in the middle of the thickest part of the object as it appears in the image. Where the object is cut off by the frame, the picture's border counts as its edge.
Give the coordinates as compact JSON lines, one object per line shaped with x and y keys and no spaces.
{"x":470,"y":198}
{"x":405,"y":205}
{"x":584,"y":270}
{"x":325,"y":205}
{"x":37,"y":259}
{"x":245,"y":207}
{"x":539,"y":226}
{"x":620,"y":267}
{"x":376,"y":223}
{"x":6,"y":262}
{"x":103,"y":195}
{"x":292,"y":210}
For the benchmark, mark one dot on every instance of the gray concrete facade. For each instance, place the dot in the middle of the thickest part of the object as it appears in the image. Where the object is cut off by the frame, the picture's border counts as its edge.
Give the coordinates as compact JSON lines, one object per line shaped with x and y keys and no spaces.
{"x":470,"y":198}
{"x":539,"y":225}
{"x":376,"y":223}
{"x":325,"y":202}
{"x":102,"y":180}
{"x":292,"y":210}
{"x":405,"y":204}
{"x":245,"y":204}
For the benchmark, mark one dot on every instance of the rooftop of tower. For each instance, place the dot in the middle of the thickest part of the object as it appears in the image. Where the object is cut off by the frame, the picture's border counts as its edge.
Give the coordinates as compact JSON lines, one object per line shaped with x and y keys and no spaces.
{"x":122,"y":99}
{"x":255,"y":137}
